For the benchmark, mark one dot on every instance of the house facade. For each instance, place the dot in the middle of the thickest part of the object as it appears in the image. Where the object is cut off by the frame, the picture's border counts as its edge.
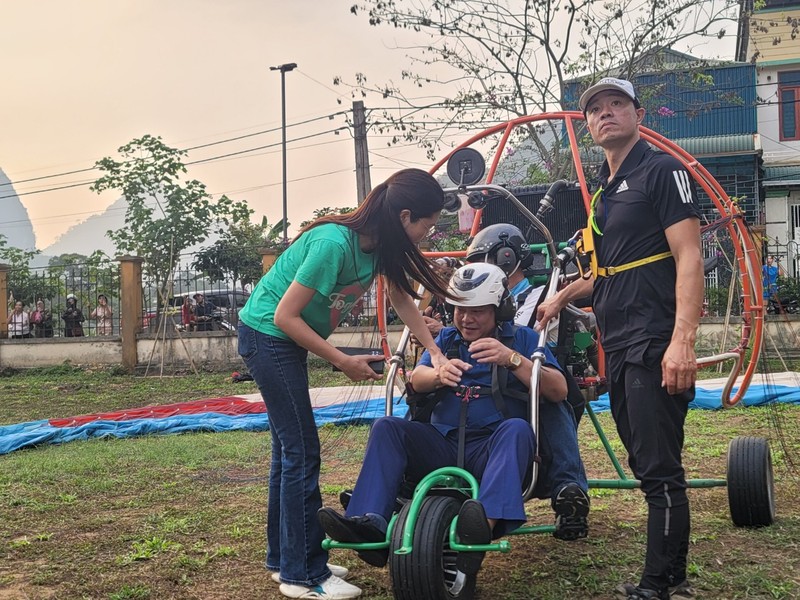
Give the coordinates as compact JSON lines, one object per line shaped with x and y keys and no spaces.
{"x":774,"y":45}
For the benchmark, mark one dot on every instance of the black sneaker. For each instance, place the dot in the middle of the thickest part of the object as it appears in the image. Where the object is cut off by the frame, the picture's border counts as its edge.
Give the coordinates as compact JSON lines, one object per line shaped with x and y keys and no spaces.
{"x":682,"y":591}
{"x":354,"y":530}
{"x":628,"y":591}
{"x":571,"y":505}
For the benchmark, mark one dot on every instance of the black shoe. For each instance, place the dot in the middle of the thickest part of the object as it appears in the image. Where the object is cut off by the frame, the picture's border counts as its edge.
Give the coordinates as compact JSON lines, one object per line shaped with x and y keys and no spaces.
{"x":571,"y":505}
{"x":346,"y":495}
{"x":682,"y":591}
{"x":628,"y":591}
{"x":354,"y":530}
{"x":472,"y":528}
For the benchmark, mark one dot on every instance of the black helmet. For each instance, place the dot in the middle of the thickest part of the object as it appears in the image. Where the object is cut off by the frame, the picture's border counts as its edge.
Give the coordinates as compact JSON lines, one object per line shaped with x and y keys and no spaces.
{"x":502,"y":245}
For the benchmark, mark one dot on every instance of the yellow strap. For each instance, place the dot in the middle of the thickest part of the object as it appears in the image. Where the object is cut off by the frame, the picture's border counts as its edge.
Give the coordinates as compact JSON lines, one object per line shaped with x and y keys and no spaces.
{"x":609,"y":271}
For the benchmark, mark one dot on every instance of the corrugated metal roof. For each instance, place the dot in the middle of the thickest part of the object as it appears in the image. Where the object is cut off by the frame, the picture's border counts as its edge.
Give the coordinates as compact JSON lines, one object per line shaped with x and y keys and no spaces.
{"x":716,"y":145}
{"x":782,"y":175}
{"x":699,"y":147}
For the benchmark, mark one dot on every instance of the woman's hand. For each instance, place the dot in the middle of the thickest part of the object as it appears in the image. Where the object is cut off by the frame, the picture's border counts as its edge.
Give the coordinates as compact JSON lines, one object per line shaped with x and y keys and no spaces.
{"x":357,"y":367}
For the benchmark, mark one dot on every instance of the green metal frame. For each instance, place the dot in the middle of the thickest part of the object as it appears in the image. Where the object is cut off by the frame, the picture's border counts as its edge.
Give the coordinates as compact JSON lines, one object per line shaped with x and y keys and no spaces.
{"x":459,"y":479}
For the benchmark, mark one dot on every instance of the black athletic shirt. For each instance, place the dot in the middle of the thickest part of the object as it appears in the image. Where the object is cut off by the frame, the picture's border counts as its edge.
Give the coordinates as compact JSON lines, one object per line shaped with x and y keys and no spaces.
{"x":650,"y":192}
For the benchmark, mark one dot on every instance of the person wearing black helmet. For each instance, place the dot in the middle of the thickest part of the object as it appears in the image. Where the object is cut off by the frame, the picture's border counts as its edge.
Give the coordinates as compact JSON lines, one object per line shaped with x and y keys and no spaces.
{"x":73,"y":318}
{"x":494,"y":443}
{"x":563,"y":474}
{"x":504,"y":245}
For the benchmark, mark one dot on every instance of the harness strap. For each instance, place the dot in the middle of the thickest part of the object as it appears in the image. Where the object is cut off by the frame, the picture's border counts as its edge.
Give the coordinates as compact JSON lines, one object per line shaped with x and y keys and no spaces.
{"x":466,"y":393}
{"x":611,"y":271}
{"x":500,"y":380}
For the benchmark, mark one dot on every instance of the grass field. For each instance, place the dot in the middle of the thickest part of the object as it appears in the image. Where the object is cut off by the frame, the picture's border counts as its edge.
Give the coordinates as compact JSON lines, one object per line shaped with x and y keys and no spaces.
{"x":182,"y":517}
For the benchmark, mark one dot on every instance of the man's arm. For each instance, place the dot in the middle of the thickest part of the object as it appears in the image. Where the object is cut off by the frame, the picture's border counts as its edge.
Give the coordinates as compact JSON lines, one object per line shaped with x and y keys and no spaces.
{"x":552,"y":307}
{"x":679,"y":365}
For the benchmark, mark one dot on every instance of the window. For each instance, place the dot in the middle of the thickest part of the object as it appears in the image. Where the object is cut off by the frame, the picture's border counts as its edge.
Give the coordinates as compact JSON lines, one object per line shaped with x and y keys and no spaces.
{"x":789,"y":96}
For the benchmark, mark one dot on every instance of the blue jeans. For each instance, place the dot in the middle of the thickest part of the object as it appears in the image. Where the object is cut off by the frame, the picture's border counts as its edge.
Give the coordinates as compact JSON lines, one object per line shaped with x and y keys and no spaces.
{"x":294,"y":535}
{"x":558,"y":447}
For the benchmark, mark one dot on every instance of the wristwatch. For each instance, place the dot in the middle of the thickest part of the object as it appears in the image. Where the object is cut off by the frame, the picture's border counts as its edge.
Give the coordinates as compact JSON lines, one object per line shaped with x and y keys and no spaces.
{"x":514,"y":361}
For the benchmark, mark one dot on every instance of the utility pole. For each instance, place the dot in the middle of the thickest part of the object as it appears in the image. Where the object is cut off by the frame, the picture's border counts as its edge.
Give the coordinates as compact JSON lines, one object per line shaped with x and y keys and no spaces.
{"x":363,"y":182}
{"x":743,"y":30}
{"x":283,"y":69}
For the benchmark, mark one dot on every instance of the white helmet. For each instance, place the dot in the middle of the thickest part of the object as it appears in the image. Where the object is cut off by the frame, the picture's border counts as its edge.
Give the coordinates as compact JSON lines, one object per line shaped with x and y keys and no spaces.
{"x":482,"y":284}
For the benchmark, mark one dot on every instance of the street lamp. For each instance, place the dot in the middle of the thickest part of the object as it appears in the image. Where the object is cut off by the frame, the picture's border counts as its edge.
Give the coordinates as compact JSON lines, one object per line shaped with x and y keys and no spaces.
{"x":283,"y":69}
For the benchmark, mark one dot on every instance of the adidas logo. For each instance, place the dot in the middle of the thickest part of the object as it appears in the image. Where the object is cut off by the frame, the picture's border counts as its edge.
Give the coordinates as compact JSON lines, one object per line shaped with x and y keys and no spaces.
{"x":623,"y":187}
{"x":636,"y":383}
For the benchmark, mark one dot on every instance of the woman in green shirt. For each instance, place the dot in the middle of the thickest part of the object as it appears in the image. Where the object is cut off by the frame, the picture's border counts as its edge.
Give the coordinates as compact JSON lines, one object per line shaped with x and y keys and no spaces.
{"x":312,"y":287}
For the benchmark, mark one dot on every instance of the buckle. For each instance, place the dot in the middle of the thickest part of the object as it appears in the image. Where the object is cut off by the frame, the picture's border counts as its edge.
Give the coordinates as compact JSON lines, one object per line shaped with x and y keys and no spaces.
{"x":468,"y":392}
{"x":610,"y":271}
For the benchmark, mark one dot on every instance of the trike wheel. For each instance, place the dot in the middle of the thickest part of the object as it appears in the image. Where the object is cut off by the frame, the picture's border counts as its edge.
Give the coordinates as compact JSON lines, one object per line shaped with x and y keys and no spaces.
{"x":751,"y":486}
{"x":429,"y":571}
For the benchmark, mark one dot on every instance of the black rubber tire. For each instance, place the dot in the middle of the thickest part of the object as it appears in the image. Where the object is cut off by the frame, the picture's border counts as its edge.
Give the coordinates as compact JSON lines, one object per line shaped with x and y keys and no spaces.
{"x":751,"y":485}
{"x":429,"y":571}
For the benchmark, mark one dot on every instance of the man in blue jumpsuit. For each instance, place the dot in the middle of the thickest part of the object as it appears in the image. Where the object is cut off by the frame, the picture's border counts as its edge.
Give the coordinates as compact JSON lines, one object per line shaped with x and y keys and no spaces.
{"x":562,"y":474}
{"x":647,"y":293}
{"x":498,"y":446}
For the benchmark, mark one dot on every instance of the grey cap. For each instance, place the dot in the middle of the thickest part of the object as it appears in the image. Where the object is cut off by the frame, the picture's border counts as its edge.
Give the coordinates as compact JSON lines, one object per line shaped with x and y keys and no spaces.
{"x":607,"y":83}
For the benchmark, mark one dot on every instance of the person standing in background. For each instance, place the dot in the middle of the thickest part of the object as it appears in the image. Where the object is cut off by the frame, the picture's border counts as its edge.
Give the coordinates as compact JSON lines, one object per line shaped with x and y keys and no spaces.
{"x":42,"y":321}
{"x":203,"y":313}
{"x":73,"y":318}
{"x":19,"y":325}
{"x":102,"y":314}
{"x":769,"y":278}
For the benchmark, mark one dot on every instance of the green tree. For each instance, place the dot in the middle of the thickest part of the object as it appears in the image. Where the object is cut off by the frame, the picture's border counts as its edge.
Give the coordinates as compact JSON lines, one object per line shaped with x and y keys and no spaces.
{"x":324,"y":212}
{"x":69,"y":264}
{"x":21,"y":280}
{"x":235,"y":256}
{"x":166,"y":214}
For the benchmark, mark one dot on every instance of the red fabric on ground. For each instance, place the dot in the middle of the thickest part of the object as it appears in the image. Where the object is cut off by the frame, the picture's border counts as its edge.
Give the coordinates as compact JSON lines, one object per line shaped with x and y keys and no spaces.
{"x":232,"y":405}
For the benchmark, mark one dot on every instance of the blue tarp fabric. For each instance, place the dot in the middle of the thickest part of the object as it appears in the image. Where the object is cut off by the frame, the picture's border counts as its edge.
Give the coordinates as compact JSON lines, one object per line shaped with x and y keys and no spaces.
{"x":26,"y":435}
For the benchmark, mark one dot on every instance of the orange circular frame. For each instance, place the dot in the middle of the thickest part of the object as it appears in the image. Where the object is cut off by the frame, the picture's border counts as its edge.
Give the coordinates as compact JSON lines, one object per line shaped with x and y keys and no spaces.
{"x":746,"y":253}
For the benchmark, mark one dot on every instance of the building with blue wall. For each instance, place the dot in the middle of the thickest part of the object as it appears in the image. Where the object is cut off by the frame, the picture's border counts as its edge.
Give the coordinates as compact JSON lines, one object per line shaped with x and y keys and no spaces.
{"x":709,"y":110}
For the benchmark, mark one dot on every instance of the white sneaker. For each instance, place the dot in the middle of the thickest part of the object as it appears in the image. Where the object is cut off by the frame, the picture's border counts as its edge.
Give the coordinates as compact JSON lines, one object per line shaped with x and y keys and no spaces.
{"x":332,"y":588}
{"x":340,"y":572}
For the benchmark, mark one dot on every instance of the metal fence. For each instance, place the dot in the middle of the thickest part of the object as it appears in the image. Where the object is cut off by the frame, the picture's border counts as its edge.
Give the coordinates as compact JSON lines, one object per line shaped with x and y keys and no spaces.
{"x":210,"y":305}
{"x":218,"y":310}
{"x":65,"y":301}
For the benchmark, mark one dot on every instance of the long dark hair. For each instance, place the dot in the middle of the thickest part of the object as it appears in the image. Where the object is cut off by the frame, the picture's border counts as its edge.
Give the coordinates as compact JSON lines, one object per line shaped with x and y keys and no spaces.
{"x":378,"y":218}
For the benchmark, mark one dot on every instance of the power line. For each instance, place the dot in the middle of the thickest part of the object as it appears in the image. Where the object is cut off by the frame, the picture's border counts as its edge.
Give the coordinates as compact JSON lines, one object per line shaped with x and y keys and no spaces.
{"x":109,"y":209}
{"x":330,"y":116}
{"x":205,"y":160}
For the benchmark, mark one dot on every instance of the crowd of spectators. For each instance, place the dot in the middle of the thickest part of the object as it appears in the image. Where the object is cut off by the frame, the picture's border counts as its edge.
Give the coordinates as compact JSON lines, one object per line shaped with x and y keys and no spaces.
{"x":38,"y":322}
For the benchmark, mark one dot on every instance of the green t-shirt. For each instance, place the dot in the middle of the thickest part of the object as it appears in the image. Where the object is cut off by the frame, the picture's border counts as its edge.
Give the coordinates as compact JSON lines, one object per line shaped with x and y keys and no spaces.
{"x":326,"y":258}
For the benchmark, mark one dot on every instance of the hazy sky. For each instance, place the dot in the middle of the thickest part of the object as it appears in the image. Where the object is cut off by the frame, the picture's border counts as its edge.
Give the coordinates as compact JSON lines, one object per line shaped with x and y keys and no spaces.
{"x":83,"y":77}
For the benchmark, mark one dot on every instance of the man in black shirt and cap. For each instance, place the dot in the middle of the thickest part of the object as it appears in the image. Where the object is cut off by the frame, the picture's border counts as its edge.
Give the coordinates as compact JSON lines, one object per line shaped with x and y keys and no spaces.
{"x":203,"y":313}
{"x":647,"y":293}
